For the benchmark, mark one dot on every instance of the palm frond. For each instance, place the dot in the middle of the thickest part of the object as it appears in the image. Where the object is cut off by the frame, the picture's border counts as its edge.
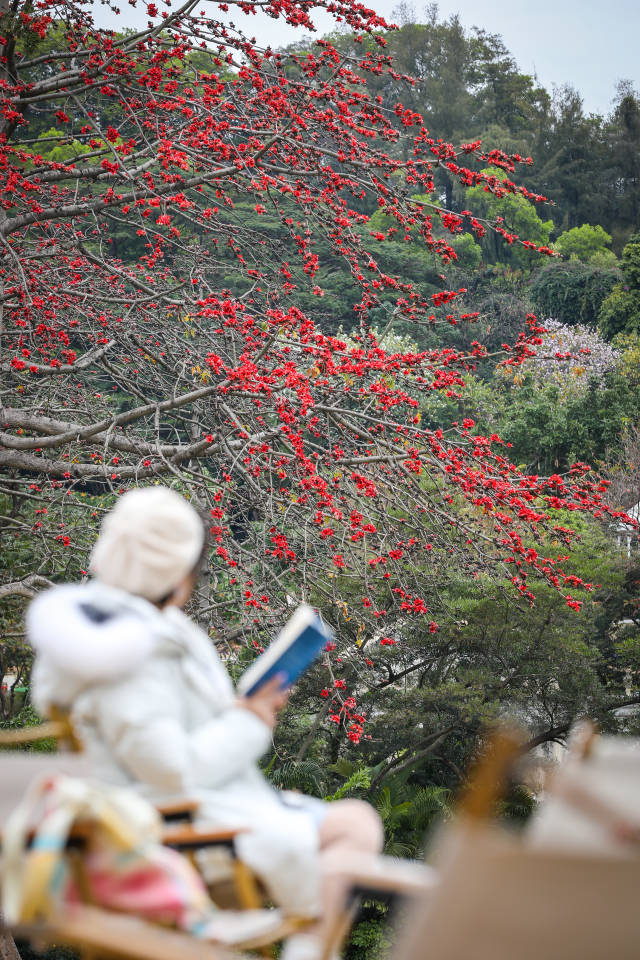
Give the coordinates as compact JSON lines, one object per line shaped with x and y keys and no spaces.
{"x":304,"y":775}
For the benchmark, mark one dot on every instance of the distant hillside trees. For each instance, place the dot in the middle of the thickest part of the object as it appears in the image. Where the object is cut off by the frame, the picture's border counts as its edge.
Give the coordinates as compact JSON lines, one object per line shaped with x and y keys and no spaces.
{"x":621,"y":310}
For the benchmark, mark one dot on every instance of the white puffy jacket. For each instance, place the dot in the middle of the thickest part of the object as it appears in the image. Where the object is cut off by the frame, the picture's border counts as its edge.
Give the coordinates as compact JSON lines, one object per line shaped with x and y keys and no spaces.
{"x":156,"y":711}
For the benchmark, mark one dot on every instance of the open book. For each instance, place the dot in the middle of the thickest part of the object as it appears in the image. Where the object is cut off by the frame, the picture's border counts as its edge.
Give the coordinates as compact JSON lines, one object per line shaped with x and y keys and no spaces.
{"x":297,"y":645}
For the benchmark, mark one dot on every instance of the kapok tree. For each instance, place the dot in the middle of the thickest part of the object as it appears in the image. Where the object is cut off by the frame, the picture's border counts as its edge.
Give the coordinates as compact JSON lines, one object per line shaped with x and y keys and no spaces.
{"x":151,"y":334}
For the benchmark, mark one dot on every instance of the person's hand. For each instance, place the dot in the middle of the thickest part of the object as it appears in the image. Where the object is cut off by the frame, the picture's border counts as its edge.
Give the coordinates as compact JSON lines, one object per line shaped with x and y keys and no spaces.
{"x":267,"y":701}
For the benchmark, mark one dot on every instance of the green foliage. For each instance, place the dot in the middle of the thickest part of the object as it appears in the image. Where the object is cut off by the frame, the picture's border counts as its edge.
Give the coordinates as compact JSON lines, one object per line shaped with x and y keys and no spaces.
{"x":620,"y":312}
{"x":27,"y":717}
{"x":629,"y":346}
{"x":370,"y":938}
{"x":631,"y":262}
{"x":468,"y":252}
{"x":585,"y":243}
{"x":620,"y":173}
{"x":549,"y":428}
{"x":428,"y":697}
{"x":518,"y":805}
{"x":54,"y":146}
{"x":571,"y":155}
{"x":572,"y":292}
{"x":618,"y":627}
{"x":519,"y":216}
{"x":359,"y":781}
{"x":407,"y":812}
{"x":625,"y":649}
{"x":305,"y":775}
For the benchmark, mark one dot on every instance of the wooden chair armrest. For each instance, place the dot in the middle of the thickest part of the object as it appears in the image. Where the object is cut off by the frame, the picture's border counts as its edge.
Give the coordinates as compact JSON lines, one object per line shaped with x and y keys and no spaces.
{"x":52,"y":729}
{"x":58,"y":727}
{"x":177,"y":810}
{"x":192,"y":838}
{"x":78,"y":837}
{"x":180,"y":838}
{"x":94,"y":931}
{"x":387,"y":875}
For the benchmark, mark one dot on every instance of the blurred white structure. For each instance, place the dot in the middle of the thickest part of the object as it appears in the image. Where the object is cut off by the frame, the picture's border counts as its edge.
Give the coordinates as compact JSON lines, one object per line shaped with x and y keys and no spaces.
{"x":626,"y":536}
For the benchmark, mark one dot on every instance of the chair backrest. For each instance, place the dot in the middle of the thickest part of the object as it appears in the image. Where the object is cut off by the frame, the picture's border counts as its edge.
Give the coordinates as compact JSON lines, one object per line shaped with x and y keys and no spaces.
{"x":18,"y":770}
{"x":500,"y":900}
{"x":591,"y":798}
{"x":535,"y":896}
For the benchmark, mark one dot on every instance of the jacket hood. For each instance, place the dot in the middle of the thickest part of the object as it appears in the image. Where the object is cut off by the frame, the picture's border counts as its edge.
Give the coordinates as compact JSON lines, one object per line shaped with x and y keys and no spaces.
{"x":89,"y":633}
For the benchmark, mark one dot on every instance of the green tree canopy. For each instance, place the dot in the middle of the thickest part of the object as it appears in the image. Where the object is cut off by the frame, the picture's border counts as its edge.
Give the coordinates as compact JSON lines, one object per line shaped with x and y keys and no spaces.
{"x":620,"y":312}
{"x":572,"y":292}
{"x":517,"y":214}
{"x":586,"y":243}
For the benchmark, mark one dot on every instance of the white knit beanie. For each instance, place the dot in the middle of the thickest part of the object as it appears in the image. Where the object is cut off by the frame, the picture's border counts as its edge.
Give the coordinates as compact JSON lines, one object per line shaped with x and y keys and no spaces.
{"x":148,"y":543}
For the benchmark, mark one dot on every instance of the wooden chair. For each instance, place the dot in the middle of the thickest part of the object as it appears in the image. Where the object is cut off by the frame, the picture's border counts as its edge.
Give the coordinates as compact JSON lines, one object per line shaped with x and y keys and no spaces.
{"x":241,"y":888}
{"x":381,"y":876}
{"x":104,"y":931}
{"x":92,"y":930}
{"x":502,"y":896}
{"x":395,"y":882}
{"x":99,"y":933}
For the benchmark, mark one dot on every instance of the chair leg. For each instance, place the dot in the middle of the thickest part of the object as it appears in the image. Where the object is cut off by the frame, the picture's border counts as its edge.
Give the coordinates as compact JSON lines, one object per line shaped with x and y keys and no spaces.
{"x":248,"y":895}
{"x":340,"y":928}
{"x":487,"y":781}
{"x":79,"y":874}
{"x":246,"y":886}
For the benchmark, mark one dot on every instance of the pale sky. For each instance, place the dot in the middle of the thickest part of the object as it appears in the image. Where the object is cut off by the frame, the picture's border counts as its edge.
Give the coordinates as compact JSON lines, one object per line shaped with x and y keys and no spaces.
{"x":586,"y":43}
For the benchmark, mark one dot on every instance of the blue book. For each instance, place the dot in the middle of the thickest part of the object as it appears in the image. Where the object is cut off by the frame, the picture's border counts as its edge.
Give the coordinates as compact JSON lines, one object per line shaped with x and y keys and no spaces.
{"x":295,"y":648}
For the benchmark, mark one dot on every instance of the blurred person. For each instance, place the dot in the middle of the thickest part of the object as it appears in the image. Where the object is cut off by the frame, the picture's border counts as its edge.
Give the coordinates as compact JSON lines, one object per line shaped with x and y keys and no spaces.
{"x":156,"y":709}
